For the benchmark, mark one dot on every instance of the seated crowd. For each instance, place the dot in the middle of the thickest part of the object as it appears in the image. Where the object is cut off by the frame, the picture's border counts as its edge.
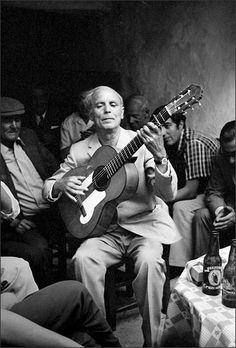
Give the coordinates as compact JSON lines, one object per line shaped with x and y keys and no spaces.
{"x":179,"y":187}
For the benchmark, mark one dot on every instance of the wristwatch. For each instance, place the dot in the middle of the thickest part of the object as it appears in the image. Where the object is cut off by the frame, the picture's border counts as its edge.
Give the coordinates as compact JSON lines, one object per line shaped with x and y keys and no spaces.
{"x":163,"y":161}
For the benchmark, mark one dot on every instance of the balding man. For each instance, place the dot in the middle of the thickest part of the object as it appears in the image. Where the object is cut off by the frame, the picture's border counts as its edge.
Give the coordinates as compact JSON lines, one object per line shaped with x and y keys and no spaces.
{"x":136,"y":111}
{"x":139,"y":226}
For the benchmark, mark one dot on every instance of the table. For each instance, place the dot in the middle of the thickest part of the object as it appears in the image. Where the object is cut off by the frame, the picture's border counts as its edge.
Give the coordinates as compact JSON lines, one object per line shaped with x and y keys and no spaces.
{"x":197,"y":320}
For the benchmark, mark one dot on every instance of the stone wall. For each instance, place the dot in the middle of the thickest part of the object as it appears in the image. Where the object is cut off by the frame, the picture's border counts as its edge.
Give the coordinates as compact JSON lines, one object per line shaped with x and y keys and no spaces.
{"x":160,"y":47}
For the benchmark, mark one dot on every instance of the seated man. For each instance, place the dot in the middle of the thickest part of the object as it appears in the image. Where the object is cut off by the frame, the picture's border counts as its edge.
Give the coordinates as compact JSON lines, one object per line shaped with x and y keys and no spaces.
{"x":191,"y":154}
{"x":136,"y":111}
{"x":75,"y":125}
{"x":139,"y":226}
{"x":44,"y":117}
{"x":65,"y":308}
{"x":219,"y":213}
{"x":24,"y":165}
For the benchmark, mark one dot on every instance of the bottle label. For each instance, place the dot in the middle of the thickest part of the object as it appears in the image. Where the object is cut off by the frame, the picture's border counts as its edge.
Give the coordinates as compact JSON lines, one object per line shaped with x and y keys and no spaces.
{"x":228,"y":288}
{"x":212,"y":277}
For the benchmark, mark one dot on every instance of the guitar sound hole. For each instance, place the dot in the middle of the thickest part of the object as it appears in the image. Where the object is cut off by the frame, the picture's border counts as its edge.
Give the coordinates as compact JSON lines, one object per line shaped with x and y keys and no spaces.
{"x":100,"y":179}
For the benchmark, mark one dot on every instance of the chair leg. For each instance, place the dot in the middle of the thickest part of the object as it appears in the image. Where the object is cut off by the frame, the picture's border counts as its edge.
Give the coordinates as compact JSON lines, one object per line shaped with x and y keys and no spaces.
{"x":62,"y":264}
{"x":129,"y":267}
{"x":110,"y":298}
{"x":166,"y":288}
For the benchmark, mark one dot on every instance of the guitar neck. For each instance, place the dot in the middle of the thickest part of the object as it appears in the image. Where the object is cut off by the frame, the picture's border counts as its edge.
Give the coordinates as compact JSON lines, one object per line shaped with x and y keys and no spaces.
{"x":123,"y":156}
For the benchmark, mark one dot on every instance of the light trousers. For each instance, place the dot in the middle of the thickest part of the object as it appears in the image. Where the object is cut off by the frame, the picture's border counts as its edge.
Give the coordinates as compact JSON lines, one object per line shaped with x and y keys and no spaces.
{"x":95,"y":255}
{"x":183,"y":213}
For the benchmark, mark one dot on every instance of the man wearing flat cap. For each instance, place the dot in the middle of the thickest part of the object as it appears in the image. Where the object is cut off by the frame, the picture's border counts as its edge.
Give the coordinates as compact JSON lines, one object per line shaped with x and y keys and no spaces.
{"x":24,"y":165}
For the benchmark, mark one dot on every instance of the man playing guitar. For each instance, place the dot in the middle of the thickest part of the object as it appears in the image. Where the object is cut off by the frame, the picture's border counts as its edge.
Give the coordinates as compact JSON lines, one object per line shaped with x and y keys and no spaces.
{"x":140,"y":225}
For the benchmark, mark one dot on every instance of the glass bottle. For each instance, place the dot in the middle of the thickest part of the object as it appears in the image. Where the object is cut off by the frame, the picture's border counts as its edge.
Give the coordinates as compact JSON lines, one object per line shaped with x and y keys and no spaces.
{"x":229,"y":278}
{"x":212,"y":267}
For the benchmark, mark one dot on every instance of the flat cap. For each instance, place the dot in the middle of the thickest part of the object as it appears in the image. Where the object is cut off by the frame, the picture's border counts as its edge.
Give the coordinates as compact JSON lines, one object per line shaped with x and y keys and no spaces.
{"x":11,"y":107}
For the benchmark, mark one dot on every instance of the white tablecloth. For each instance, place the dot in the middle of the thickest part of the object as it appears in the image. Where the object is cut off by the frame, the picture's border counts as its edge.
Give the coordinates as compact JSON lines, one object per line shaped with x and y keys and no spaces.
{"x":195,"y":319}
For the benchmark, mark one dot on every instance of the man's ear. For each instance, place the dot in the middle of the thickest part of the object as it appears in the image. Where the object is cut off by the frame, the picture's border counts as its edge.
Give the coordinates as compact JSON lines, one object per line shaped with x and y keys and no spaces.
{"x":181,"y":124}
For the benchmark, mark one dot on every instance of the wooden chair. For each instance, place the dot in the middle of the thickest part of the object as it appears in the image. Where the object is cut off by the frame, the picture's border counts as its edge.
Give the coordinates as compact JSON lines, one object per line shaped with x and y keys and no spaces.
{"x":122,"y":275}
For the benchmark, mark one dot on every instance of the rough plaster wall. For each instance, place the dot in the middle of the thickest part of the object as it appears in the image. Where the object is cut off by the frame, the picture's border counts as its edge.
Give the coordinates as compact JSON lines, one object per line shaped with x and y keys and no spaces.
{"x":162,"y":47}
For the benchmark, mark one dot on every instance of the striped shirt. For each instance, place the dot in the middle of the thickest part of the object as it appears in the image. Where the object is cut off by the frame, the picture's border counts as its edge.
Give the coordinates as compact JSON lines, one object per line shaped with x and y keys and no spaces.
{"x":199,"y":151}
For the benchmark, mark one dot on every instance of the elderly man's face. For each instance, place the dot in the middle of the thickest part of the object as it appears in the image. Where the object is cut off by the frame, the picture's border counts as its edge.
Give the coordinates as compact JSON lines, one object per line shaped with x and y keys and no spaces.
{"x":107,"y":110}
{"x":137,"y":114}
{"x":10,"y":128}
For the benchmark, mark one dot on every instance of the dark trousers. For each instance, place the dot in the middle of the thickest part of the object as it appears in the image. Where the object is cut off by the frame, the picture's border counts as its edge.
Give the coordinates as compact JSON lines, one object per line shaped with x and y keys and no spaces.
{"x":35,"y":246}
{"x":67,"y":307}
{"x":32,"y":247}
{"x":202,"y":227}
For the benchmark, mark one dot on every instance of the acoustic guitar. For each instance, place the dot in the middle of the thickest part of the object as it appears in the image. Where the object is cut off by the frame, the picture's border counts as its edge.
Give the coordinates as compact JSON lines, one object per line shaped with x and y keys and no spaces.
{"x":112,"y":177}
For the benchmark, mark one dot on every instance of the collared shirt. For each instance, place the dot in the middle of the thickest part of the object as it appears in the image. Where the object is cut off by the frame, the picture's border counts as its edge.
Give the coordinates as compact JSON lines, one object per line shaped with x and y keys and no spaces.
{"x":26,"y":179}
{"x":71,"y":129}
{"x":199,"y":151}
{"x":40,"y":117}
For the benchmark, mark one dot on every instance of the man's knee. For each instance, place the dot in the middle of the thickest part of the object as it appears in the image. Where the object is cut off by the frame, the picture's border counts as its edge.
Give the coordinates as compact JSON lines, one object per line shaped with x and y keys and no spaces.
{"x":201,"y":215}
{"x":181,"y":208}
{"x":151,"y":258}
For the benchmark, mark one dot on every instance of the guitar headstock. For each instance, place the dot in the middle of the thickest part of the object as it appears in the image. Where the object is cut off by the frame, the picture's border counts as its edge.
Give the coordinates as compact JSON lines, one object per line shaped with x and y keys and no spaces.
{"x":185,"y":99}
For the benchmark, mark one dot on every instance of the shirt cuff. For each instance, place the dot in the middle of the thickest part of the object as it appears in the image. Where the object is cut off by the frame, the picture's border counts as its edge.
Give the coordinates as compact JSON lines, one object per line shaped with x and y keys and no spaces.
{"x":218,"y":210}
{"x":53,"y":199}
{"x":167,"y":172}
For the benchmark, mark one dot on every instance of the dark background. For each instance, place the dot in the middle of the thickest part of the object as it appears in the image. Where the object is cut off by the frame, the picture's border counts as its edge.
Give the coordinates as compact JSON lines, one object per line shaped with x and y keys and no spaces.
{"x":156,"y":48}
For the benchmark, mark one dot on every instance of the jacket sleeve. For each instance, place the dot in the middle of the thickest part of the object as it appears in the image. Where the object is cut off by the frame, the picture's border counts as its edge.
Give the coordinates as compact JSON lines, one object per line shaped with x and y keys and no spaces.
{"x":216,"y":189}
{"x":71,"y":162}
{"x":166,"y":184}
{"x":49,"y":160}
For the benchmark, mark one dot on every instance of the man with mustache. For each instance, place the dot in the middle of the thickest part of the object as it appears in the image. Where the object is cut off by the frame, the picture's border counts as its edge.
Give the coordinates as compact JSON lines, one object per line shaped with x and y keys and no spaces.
{"x":191,"y":153}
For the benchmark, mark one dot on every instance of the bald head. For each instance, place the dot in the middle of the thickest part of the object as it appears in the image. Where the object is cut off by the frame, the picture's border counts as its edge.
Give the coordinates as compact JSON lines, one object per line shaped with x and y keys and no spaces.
{"x":105,"y":89}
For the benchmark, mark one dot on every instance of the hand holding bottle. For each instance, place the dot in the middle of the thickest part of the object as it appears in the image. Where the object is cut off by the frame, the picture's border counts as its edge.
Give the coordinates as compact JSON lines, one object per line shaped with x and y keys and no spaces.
{"x":225,"y":219}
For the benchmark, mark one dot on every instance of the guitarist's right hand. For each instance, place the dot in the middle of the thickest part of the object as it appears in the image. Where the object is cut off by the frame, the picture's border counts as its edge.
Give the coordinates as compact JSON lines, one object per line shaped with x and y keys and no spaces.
{"x":70,"y":185}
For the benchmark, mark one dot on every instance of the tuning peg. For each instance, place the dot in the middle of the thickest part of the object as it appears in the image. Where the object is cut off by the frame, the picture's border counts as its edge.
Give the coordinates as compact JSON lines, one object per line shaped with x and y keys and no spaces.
{"x":188,"y":91}
{"x":200,"y":104}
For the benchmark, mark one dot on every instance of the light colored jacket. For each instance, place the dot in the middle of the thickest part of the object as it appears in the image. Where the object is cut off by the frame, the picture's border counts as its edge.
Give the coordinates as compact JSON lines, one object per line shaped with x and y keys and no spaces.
{"x":141,"y":214}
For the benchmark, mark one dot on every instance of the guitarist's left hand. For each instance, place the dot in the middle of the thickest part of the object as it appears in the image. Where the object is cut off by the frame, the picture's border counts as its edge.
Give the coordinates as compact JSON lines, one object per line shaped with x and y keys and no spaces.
{"x":153,"y":139}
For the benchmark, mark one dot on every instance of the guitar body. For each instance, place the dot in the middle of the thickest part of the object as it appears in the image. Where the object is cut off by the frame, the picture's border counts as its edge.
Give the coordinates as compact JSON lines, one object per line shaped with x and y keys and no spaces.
{"x":100,"y":204}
